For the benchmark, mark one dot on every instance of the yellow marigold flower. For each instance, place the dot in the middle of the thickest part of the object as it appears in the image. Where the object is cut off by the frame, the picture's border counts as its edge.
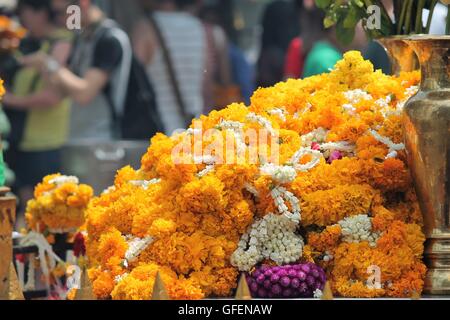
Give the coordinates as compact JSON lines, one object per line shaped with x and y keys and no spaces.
{"x":330,"y":206}
{"x":59,"y":204}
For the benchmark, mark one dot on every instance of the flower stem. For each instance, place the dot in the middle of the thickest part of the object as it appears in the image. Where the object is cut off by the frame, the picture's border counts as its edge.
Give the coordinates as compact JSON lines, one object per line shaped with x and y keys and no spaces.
{"x":419,"y":24}
{"x":408,"y":17}
{"x":447,"y":27}
{"x":430,"y":16}
{"x":402,"y":17}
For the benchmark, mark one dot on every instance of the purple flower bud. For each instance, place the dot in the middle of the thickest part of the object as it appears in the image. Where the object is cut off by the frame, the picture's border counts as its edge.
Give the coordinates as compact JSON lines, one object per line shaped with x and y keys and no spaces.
{"x":285,"y":282}
{"x":260,"y":279}
{"x":254,"y":287}
{"x":256,"y":274}
{"x":292,"y":273}
{"x":310,"y":281}
{"x":268,"y":273}
{"x":287,"y":293}
{"x":335,"y":155}
{"x":306,"y":268}
{"x":302,"y":287}
{"x":275,"y":278}
{"x":262,"y":293}
{"x":267,"y":284}
{"x":276,"y":289}
{"x":301,"y":275}
{"x":282,"y":273}
{"x":295,"y":283}
{"x":315,"y":273}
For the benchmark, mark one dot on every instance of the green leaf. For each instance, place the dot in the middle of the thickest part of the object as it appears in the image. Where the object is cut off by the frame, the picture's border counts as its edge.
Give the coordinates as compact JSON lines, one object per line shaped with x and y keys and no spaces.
{"x":352,"y":18}
{"x":328,"y":22}
{"x":323,"y":4}
{"x":359,"y":3}
{"x":344,"y":35}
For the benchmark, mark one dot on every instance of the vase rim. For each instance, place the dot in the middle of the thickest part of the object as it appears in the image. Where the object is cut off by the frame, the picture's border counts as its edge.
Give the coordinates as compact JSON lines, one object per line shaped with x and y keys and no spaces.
{"x":394,"y":36}
{"x":427,"y":37}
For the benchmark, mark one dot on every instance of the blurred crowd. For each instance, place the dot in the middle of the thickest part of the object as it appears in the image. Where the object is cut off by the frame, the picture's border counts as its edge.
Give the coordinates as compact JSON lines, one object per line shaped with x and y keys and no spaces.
{"x":135,"y":68}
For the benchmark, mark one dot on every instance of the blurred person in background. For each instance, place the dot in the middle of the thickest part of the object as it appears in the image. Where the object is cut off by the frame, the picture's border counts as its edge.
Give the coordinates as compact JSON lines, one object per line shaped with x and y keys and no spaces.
{"x":112,"y":96}
{"x":279,"y":26}
{"x":321,"y":46}
{"x":295,"y":56}
{"x":38,"y":113}
{"x":229,"y":76}
{"x":172,"y":43}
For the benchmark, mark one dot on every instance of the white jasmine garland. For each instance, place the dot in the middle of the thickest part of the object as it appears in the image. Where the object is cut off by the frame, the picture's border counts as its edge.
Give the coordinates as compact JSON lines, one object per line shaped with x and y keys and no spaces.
{"x":318,"y":294}
{"x":280,"y":174}
{"x":231,"y":125}
{"x":64,"y":179}
{"x":411,"y":91}
{"x":318,"y":135}
{"x":272,"y":237}
{"x":350,"y":109}
{"x":31,"y":281}
{"x":280,"y":112}
{"x":204,"y":172}
{"x":21,"y":273}
{"x":393,"y":147}
{"x":120,"y":277}
{"x":264,"y":122}
{"x":209,"y":159}
{"x":144,"y":183}
{"x":344,"y":146}
{"x":358,"y":228}
{"x":384,"y":102}
{"x":315,"y":154}
{"x":192,"y":131}
{"x":136,"y":246}
{"x":109,"y":190}
{"x":251,"y":189}
{"x":47,"y":258}
{"x":355,"y":96}
{"x":238,"y":137}
{"x":279,"y":194}
{"x":328,"y":256}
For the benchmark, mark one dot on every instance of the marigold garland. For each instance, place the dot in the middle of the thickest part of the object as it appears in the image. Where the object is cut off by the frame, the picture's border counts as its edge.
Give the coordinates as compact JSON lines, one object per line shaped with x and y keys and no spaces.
{"x":342,"y":181}
{"x":59,"y":204}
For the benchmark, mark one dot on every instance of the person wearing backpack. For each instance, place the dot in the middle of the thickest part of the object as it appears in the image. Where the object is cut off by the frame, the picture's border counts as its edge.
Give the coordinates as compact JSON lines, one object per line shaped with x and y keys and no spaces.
{"x":37,"y":112}
{"x":171,"y":42}
{"x":113,"y":98}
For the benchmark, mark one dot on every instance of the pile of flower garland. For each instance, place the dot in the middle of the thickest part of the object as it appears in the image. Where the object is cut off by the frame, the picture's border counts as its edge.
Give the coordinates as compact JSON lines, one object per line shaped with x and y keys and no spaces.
{"x":340,"y":195}
{"x":59,"y":204}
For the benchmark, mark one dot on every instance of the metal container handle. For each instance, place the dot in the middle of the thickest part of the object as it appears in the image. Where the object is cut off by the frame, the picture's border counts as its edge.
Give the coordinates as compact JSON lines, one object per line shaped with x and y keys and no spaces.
{"x":115,"y":155}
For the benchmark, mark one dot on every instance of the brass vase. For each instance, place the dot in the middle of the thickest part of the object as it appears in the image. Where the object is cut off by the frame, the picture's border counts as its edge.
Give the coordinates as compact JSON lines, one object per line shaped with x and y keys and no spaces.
{"x":427,"y":138}
{"x":401,"y":56}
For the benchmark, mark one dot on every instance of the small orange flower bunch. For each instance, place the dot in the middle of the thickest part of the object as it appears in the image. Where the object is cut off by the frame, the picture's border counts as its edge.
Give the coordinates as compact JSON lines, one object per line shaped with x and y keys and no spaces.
{"x":10,"y":34}
{"x":337,"y":192}
{"x":59,"y":204}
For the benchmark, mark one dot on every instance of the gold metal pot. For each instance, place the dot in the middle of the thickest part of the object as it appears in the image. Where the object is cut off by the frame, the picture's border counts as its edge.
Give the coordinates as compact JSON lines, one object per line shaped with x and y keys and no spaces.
{"x":427,"y":137}
{"x":401,"y":56}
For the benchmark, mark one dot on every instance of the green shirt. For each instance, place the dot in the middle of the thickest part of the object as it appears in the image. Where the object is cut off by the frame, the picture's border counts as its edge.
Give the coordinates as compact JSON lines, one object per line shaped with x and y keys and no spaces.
{"x":45,"y":129}
{"x":322,"y":57}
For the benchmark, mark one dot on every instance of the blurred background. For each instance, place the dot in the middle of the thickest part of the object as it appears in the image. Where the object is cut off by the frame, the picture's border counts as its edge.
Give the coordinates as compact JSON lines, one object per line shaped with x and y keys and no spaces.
{"x":85,"y":101}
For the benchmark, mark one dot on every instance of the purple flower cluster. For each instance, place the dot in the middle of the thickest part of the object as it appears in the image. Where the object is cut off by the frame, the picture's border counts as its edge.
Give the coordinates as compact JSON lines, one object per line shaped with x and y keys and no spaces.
{"x":289,"y":281}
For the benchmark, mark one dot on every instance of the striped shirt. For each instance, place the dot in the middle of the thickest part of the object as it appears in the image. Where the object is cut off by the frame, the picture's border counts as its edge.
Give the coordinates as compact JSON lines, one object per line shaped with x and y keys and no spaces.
{"x":186,"y":41}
